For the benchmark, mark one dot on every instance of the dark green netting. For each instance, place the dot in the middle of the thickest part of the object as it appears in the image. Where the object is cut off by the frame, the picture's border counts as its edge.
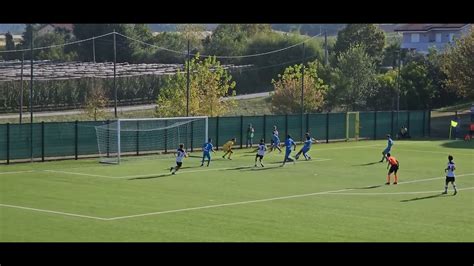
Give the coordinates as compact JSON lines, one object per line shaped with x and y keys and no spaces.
{"x":366,"y":125}
{"x":317,"y":126}
{"x":60,"y":138}
{"x":337,"y":125}
{"x":3,"y":142}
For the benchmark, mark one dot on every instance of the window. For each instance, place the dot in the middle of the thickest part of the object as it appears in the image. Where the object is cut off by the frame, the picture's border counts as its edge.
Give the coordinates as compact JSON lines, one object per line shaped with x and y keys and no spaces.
{"x":451,"y":37}
{"x":438,"y":37}
{"x":415,"y":37}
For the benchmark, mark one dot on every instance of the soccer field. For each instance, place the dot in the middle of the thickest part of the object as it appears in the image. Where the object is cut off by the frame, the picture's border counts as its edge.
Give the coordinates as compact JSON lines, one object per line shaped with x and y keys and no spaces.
{"x":339,"y":196}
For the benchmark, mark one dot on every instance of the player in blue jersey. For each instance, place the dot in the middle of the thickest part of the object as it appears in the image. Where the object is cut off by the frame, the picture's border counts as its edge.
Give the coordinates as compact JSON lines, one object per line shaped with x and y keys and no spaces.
{"x":289,"y":142}
{"x":387,"y":149}
{"x":306,"y":147}
{"x":275,"y":140}
{"x":206,"y":151}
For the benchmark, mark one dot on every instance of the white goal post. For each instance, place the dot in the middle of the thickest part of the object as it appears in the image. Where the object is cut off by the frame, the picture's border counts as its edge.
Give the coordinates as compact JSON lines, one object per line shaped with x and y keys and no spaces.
{"x":149,"y":135}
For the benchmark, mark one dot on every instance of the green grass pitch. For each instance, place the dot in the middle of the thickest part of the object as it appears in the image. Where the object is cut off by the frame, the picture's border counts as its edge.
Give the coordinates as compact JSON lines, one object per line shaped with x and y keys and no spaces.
{"x":339,"y":196}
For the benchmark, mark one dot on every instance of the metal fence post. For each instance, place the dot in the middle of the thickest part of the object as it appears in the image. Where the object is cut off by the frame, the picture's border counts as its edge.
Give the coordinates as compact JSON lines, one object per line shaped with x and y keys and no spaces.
{"x":192,"y":135}
{"x":375,"y":125}
{"x":264,"y":126}
{"x":138,"y":137}
{"x":408,"y":120}
{"x":108,"y":138}
{"x":429,"y":123}
{"x":217,"y":133}
{"x":424,"y":122}
{"x":8,"y":143}
{"x":42,"y":141}
{"x":307,"y":122}
{"x":76,"y":140}
{"x":327,"y":127}
{"x":391,"y":126}
{"x":166,"y":136}
{"x":241,"y":130}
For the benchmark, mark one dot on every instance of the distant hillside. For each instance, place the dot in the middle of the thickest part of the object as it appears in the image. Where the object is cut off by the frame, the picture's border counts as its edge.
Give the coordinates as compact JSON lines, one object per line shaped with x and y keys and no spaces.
{"x":13,"y":28}
{"x":310,"y":29}
{"x":172,"y":27}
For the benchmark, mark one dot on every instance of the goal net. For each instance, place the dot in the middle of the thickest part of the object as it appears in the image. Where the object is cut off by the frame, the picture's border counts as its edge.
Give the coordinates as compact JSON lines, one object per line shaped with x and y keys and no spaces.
{"x":149,"y":135}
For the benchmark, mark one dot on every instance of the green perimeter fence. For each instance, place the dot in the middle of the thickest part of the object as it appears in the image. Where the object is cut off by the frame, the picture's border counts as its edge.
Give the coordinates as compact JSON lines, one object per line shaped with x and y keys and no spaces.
{"x":73,"y":140}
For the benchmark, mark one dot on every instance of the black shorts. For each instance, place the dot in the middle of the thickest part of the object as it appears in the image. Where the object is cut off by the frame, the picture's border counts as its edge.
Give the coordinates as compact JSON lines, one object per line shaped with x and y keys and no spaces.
{"x":393,"y":168}
{"x":259,"y":156}
{"x":179,"y":164}
{"x":450,"y":179}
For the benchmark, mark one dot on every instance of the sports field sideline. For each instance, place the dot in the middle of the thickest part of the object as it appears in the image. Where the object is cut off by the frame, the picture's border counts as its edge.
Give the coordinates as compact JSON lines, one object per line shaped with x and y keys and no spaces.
{"x":339,"y":195}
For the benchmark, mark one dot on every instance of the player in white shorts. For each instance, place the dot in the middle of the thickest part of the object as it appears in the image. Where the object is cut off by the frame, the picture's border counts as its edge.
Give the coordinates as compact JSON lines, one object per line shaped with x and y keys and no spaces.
{"x":262,"y":148}
{"x":180,"y":155}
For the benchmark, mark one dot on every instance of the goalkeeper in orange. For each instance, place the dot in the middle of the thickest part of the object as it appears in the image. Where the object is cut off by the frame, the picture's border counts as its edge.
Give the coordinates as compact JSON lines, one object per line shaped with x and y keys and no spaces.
{"x":227,"y":147}
{"x":394,"y":164}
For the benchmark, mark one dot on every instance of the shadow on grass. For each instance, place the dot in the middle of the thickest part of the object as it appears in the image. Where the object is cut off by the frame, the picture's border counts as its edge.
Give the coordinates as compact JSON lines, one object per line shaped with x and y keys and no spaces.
{"x":459,"y":144}
{"x":376,"y":186}
{"x":240,"y":168}
{"x":150,"y":176}
{"x":367,"y":164}
{"x":263,"y":168}
{"x":422,"y":198}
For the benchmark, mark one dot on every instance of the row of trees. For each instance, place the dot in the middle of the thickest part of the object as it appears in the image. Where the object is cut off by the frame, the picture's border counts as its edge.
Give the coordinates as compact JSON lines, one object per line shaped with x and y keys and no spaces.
{"x":357,"y":79}
{"x":363,"y":70}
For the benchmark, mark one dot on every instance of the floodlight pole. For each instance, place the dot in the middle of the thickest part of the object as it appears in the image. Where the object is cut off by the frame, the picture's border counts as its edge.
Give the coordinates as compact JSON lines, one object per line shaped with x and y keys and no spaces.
{"x":302,"y":92}
{"x":326,"y":55}
{"x":187,"y":82}
{"x":115,"y":76}
{"x":93,"y":48}
{"x":21,"y":86}
{"x":398,"y":91}
{"x":31,"y":95}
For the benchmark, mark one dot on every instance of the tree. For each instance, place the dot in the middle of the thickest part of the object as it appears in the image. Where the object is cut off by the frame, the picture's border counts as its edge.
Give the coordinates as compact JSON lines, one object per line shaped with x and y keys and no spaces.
{"x":459,"y":66}
{"x":370,"y":36}
{"x":209,"y":83}
{"x":193,"y":33}
{"x":416,"y":86}
{"x":54,"y":53}
{"x":355,"y":76}
{"x":231,"y":39}
{"x":104,"y":46}
{"x":381,"y":94}
{"x":9,"y":46}
{"x":96,"y":102}
{"x":443,"y":96}
{"x":287,"y":96}
{"x":269,"y":66}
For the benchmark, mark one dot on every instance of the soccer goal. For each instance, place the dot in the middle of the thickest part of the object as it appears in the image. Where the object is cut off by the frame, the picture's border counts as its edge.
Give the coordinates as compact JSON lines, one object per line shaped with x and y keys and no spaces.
{"x":352,"y":125}
{"x":149,"y":135}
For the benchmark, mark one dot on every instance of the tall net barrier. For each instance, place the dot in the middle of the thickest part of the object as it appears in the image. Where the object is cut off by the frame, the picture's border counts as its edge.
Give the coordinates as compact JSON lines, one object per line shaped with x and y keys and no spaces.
{"x":69,"y":140}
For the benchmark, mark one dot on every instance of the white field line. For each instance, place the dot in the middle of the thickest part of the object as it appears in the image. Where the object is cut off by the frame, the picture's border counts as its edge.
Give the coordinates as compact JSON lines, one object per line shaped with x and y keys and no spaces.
{"x":395,"y":193}
{"x":55,"y":212}
{"x":207,"y":206}
{"x":228,"y":204}
{"x":211,"y":169}
{"x":164,"y":173}
{"x":74,"y":173}
{"x":17,"y":172}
